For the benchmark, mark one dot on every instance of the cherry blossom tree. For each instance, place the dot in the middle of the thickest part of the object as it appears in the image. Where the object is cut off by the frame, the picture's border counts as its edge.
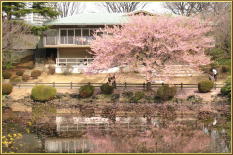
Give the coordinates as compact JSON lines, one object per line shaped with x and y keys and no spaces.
{"x":151,"y":42}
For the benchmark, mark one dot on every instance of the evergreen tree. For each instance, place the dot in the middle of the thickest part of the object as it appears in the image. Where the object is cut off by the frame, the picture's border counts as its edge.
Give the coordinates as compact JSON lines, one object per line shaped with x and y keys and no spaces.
{"x":14,"y":9}
{"x":19,"y":9}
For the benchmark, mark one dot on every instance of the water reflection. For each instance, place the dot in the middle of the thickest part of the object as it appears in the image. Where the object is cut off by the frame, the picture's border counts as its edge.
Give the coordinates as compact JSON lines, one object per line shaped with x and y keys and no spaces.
{"x":75,"y":134}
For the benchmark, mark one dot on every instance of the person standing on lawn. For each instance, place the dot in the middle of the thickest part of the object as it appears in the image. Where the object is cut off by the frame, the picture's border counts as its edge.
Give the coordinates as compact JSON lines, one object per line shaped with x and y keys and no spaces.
{"x":215,"y":74}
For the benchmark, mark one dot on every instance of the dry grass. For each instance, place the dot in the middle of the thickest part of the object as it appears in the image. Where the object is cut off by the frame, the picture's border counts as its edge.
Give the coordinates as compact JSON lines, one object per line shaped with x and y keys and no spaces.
{"x":120,"y":78}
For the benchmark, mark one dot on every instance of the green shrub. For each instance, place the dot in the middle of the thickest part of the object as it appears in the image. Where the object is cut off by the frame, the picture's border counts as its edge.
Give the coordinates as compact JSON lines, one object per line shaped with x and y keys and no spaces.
{"x":43,"y":93}
{"x":86,"y":91}
{"x":15,"y":79}
{"x":165,"y":93}
{"x":6,"y":88}
{"x":30,"y":65}
{"x":225,"y":68}
{"x":226,"y":89}
{"x":6,"y":75}
{"x":20,"y":72}
{"x":216,"y":53}
{"x":127,"y":94}
{"x":35,"y":73}
{"x":9,"y":65}
{"x":25,"y":78}
{"x":106,"y":89}
{"x":51,"y":70}
{"x":205,"y":86}
{"x":115,"y":97}
{"x":137,"y":96}
{"x":194,"y":99}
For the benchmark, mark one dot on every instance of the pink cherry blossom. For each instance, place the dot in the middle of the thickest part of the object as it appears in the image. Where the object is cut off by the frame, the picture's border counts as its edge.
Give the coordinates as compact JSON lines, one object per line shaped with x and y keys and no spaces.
{"x":150,"y":42}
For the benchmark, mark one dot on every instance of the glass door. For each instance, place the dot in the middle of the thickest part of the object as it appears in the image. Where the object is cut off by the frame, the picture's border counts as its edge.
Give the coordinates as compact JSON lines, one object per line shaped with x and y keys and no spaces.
{"x":78,"y":36}
{"x":70,"y":36}
{"x":63,"y":36}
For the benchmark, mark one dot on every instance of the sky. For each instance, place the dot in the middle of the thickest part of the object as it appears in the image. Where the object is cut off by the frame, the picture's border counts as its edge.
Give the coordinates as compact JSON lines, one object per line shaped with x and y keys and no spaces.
{"x":154,"y":7}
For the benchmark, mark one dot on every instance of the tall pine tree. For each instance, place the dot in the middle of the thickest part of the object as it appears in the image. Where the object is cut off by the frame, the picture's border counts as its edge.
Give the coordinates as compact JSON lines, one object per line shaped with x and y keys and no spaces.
{"x":20,"y":9}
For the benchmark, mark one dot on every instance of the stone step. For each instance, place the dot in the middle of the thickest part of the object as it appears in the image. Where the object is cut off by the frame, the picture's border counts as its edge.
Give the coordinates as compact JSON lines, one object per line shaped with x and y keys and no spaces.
{"x":179,"y":74}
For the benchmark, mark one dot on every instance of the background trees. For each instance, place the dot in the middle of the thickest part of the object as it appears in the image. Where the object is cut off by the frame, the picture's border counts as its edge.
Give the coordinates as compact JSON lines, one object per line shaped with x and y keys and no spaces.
{"x":15,"y":30}
{"x":219,"y":13}
{"x":122,"y":7}
{"x":14,"y":10}
{"x":158,"y":40}
{"x":193,"y":8}
{"x":68,"y":8}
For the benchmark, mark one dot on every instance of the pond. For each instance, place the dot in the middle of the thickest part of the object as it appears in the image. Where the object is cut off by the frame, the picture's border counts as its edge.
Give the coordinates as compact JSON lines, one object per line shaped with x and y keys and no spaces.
{"x":40,"y":132}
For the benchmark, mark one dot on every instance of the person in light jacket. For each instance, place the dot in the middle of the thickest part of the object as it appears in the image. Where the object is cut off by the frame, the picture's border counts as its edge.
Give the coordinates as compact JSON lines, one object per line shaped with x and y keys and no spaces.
{"x":215,"y":74}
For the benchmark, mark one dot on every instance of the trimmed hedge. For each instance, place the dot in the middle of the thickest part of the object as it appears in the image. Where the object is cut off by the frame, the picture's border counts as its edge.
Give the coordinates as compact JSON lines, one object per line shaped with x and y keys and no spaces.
{"x":6,"y":88}
{"x":35,"y":73}
{"x":43,"y":93}
{"x":205,"y":86}
{"x":86,"y":91}
{"x":20,"y":72}
{"x":165,"y":92}
{"x":6,"y":75}
{"x":106,"y":89}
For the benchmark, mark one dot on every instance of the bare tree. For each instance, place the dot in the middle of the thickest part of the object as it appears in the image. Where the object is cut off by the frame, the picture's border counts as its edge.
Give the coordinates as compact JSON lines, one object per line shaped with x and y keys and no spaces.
{"x":186,"y":8}
{"x":193,"y":8}
{"x":68,"y":8}
{"x":16,"y":35}
{"x":220,"y":15}
{"x":122,"y":7}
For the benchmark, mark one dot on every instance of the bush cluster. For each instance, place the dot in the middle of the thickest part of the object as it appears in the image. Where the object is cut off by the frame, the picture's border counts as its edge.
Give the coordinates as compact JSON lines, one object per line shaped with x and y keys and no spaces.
{"x":115,"y":97}
{"x":20,"y":72}
{"x":127,"y":94}
{"x":6,"y":75}
{"x":51,"y":70}
{"x":137,"y":96}
{"x":31,"y":65}
{"x":194,"y":99}
{"x":35,"y":74}
{"x":225,"y":68}
{"x":165,"y":93}
{"x":15,"y":79}
{"x":6,"y":88}
{"x":106,"y":89}
{"x":25,"y":78}
{"x":226,"y":89}
{"x":43,"y":93}
{"x":86,"y":91}
{"x":205,"y":86}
